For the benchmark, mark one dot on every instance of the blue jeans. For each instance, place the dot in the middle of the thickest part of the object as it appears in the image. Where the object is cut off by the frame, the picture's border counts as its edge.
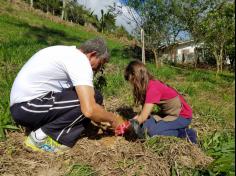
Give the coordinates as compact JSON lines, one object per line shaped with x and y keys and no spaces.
{"x":165,"y":128}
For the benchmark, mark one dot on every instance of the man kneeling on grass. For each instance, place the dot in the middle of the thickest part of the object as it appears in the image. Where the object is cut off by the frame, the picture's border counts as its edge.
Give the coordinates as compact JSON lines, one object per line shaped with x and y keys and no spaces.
{"x":54,"y":97}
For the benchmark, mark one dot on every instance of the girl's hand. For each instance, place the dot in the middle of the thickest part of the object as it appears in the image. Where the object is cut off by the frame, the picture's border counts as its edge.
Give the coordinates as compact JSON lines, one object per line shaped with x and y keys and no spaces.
{"x":157,"y":118}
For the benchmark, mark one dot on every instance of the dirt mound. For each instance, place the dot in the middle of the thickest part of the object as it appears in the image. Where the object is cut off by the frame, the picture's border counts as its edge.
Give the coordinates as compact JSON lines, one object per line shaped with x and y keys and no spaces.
{"x":107,"y":155}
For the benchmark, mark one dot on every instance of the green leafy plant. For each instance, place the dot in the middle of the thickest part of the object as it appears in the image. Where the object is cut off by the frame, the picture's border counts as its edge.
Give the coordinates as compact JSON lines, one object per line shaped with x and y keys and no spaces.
{"x":221,"y":146}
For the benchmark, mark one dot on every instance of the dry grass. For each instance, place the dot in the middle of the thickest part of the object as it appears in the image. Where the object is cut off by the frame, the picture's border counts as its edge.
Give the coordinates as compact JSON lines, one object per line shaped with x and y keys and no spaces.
{"x":106,"y":154}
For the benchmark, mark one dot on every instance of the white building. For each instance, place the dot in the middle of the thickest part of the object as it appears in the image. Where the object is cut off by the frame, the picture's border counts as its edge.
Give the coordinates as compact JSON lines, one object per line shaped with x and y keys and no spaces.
{"x":182,"y":52}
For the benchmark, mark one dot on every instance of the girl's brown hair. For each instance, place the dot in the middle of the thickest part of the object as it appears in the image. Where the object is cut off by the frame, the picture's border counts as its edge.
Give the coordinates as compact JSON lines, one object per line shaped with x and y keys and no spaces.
{"x":138,"y":75}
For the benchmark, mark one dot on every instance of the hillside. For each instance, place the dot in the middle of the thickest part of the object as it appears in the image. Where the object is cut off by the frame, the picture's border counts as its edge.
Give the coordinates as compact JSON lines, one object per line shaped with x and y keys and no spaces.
{"x":23,"y":31}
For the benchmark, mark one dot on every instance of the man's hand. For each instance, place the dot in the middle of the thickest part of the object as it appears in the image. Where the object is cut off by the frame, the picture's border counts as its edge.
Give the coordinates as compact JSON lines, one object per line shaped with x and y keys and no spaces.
{"x":117,"y":121}
{"x":122,"y":128}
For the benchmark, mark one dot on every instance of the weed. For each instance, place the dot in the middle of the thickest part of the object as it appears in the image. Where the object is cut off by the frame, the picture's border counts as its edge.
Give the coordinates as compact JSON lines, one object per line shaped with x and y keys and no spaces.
{"x":201,"y":76}
{"x":206,"y":86}
{"x":81,"y":170}
{"x":221,"y":146}
{"x":164,"y":73}
{"x":187,"y":89}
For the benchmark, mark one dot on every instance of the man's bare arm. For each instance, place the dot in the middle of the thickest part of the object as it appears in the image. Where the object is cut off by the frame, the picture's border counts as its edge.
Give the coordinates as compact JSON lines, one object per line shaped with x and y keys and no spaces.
{"x":94,"y":111}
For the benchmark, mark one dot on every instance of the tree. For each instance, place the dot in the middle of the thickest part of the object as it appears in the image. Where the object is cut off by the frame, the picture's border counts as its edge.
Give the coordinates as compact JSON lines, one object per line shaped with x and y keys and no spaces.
{"x":158,"y":20}
{"x":211,"y":23}
{"x":174,"y":25}
{"x":153,"y":18}
{"x":44,"y":5}
{"x":107,"y":21}
{"x":54,"y":6}
{"x":217,"y":29}
{"x":75,"y":13}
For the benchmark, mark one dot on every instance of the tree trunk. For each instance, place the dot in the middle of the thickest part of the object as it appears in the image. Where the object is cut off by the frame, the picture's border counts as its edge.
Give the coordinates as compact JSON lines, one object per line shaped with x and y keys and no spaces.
{"x":47,"y":9}
{"x":157,"y":61}
{"x":63,"y":9}
{"x":195,"y":55}
{"x":217,"y":62}
{"x":221,"y":58}
{"x":31,"y":3}
{"x":174,"y":57}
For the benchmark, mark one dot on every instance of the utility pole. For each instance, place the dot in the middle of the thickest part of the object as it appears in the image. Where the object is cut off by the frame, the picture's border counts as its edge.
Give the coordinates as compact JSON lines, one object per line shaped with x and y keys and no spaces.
{"x":143,"y":49}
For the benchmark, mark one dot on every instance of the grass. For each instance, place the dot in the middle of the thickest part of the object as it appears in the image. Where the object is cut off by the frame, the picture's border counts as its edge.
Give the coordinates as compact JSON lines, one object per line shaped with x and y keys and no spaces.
{"x":211,"y":97}
{"x":81,"y":170}
{"x":221,"y":146}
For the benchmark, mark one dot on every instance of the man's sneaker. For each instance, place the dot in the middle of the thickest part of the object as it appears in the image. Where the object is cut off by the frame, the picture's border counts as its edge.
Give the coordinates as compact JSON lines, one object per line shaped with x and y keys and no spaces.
{"x":188,"y":133}
{"x":31,"y":143}
{"x":48,"y":145}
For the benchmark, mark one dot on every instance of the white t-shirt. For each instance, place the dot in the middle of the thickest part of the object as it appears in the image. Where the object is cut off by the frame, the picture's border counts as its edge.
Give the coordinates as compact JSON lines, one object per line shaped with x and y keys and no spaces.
{"x":51,"y":69}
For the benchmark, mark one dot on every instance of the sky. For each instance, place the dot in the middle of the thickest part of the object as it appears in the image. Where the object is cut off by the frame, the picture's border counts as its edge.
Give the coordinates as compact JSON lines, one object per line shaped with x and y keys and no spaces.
{"x":97,"y":5}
